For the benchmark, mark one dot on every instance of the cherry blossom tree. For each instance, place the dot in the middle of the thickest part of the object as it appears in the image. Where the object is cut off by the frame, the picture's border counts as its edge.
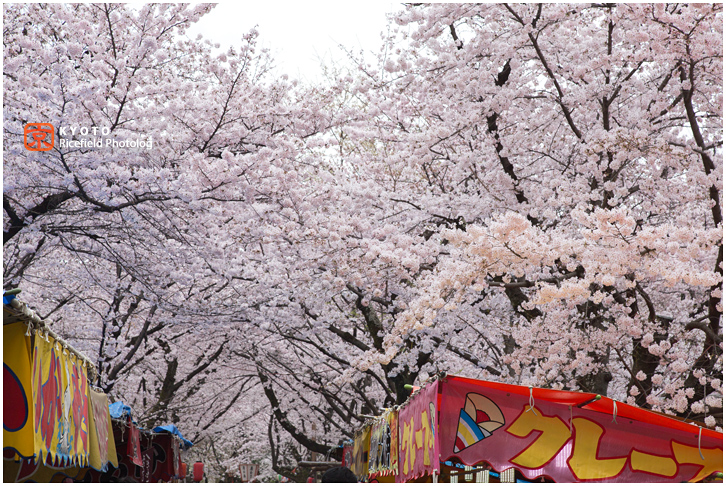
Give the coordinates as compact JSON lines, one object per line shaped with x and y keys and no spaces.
{"x":575,"y":153}
{"x":131,"y":252}
{"x":522,"y":193}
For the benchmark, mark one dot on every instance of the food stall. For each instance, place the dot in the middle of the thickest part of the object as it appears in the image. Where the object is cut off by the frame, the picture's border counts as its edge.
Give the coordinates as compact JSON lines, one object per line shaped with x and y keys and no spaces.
{"x":57,"y":427}
{"x":458,"y":429}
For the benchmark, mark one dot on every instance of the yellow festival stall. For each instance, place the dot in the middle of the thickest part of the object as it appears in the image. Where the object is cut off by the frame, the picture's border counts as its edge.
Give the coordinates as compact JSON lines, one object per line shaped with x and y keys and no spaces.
{"x":55,"y":426}
{"x":459,"y":429}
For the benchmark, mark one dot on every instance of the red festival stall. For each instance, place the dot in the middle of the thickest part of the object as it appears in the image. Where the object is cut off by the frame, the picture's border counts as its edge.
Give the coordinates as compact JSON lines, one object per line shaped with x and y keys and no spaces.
{"x":455,"y":423}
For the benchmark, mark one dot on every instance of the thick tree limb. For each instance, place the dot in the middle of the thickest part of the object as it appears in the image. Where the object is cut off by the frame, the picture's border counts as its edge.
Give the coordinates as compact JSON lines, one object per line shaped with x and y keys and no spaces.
{"x":48,"y":204}
{"x":282,"y":419}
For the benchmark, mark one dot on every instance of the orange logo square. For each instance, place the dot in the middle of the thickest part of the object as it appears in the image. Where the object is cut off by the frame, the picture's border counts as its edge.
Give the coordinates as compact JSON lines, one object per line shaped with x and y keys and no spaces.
{"x":39,"y":137}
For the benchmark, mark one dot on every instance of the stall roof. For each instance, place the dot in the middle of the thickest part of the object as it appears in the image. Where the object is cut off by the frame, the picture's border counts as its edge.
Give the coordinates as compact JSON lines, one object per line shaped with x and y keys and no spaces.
{"x":15,"y":310}
{"x":119,"y":410}
{"x":172,"y":429}
{"x":590,"y":401}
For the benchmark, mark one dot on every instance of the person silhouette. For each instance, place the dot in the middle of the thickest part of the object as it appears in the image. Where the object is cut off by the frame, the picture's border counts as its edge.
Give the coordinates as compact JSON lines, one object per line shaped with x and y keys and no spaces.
{"x":339,"y":474}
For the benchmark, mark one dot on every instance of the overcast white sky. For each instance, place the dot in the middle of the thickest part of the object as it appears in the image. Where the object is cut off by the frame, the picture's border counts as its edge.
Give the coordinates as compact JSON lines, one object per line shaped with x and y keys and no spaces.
{"x":299,"y":34}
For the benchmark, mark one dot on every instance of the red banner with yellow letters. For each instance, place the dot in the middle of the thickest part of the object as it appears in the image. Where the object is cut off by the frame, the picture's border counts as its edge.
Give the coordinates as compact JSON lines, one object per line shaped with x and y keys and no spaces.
{"x":418,"y":445}
{"x":566,"y":436}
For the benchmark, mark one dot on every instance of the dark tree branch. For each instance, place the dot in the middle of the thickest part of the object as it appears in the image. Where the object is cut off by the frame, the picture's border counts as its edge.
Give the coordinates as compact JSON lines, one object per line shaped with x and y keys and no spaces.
{"x":282,"y":419}
{"x":49,"y":203}
{"x":467,"y":356}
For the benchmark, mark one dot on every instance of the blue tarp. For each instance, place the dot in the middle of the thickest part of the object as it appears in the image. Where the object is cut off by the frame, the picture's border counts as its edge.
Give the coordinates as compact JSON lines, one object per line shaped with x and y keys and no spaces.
{"x":173,"y":430}
{"x":119,"y":410}
{"x":7,"y":299}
